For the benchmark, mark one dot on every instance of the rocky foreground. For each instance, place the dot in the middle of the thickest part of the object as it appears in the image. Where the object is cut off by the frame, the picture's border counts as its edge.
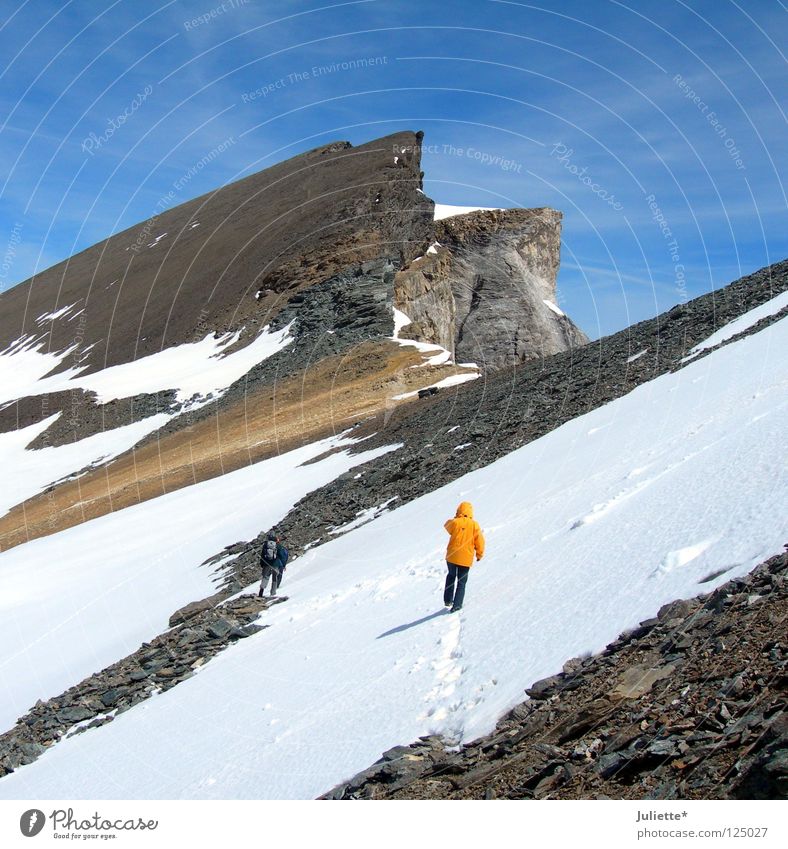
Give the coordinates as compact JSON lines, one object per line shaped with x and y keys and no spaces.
{"x":689,"y":705}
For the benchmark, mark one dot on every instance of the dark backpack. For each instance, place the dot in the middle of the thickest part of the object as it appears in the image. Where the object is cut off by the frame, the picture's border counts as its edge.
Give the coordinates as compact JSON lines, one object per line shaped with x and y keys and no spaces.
{"x":284,"y":555}
{"x":269,"y":550}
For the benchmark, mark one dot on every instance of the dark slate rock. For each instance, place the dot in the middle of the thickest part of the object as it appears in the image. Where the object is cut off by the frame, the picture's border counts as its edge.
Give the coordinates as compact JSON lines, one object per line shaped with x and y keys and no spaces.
{"x":219,"y":629}
{"x":663,"y":748}
{"x":74,"y":714}
{"x":679,"y":609}
{"x":139,"y":675}
{"x":765,"y":778}
{"x":111,"y":697}
{"x":544,"y":688}
{"x":611,"y":764}
{"x":395,"y":753}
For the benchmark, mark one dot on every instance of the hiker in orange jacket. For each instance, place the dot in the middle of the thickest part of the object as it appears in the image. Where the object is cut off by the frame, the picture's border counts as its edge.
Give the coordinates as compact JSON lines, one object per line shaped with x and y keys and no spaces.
{"x":465,"y":538}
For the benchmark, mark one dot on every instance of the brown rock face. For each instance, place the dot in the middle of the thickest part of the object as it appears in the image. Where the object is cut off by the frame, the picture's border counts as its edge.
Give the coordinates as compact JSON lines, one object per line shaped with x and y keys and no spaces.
{"x":196,"y":267}
{"x":423,"y":292}
{"x":482,"y":291}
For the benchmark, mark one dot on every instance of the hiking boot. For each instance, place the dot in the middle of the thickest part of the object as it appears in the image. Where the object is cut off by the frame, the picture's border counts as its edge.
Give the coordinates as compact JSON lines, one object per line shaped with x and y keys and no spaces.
{"x":455,"y":610}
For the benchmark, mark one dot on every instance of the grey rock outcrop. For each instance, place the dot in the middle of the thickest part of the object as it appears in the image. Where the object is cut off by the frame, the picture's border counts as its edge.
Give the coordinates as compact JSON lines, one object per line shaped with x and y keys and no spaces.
{"x":504,"y":265}
{"x":487,"y":289}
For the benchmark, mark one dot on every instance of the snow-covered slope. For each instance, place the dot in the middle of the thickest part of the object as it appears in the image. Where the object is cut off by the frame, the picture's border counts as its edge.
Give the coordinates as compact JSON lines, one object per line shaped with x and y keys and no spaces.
{"x":74,"y":602}
{"x":589,"y":530}
{"x":194,"y":368}
{"x":26,"y":472}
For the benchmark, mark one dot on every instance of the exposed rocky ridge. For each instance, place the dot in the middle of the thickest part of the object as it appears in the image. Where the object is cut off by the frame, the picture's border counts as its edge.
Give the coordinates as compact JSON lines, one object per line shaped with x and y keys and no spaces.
{"x":481,"y":290}
{"x":506,"y":410}
{"x":281,"y":229}
{"x":504,"y":266}
{"x":329,"y":280}
{"x":261,"y":244}
{"x":199,"y":632}
{"x":689,"y":705}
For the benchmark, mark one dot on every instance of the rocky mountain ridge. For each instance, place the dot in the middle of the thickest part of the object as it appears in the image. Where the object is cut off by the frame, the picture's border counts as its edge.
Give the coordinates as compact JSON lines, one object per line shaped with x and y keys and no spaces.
{"x":508,"y":409}
{"x":486,"y":289}
{"x":224,"y":260}
{"x":322,"y":247}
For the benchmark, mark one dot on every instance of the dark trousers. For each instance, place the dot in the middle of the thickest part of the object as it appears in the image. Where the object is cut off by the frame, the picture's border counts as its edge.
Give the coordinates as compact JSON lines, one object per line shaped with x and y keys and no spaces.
{"x":457,"y":575}
{"x":270,"y":571}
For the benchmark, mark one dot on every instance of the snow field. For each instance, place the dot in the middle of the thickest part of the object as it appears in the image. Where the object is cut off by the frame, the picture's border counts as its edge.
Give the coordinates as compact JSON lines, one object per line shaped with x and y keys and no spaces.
{"x":74,"y":602}
{"x":589,"y":530}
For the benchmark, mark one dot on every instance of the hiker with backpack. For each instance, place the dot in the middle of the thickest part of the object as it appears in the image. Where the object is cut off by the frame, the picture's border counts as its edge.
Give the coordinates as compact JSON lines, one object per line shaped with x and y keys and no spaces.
{"x":273,"y":559}
{"x":465,"y":539}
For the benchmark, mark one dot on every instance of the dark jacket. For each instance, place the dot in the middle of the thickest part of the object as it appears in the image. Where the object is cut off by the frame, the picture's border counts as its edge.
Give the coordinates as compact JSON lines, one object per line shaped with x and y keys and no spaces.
{"x":280,"y":561}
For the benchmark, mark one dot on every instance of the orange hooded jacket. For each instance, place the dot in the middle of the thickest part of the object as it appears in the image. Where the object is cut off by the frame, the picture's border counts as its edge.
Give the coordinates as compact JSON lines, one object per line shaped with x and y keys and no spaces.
{"x":466,"y":535}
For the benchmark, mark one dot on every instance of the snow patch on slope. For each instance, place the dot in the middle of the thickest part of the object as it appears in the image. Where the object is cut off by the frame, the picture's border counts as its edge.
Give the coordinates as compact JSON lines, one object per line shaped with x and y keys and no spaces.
{"x":54,"y":316}
{"x":438,"y":355}
{"x":27,"y":473}
{"x":740,"y":324}
{"x":195,"y":368}
{"x":553,"y":308}
{"x":400,"y":321}
{"x":445,"y":210}
{"x":451,"y":380}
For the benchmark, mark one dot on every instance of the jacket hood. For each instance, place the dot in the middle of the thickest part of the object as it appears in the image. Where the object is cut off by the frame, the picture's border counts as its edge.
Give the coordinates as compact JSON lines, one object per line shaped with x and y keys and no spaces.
{"x":465,"y":509}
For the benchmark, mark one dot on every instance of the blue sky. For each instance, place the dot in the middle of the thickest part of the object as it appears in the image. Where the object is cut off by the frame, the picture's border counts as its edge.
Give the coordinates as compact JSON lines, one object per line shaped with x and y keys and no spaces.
{"x":658,"y":128}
